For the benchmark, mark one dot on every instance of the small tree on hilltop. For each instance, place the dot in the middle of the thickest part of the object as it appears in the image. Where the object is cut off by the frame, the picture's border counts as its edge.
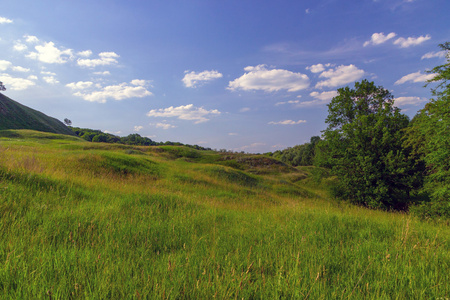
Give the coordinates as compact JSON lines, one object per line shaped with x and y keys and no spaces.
{"x":67,"y":122}
{"x":2,"y":87}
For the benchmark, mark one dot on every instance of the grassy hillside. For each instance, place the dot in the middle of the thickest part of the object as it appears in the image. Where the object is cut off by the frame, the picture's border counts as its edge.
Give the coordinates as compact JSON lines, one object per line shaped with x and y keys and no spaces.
{"x":14,"y":115}
{"x":107,"y":221}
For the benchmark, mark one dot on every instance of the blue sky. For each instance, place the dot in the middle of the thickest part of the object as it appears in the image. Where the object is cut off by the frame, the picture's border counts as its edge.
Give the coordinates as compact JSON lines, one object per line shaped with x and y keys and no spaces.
{"x":251,"y":76}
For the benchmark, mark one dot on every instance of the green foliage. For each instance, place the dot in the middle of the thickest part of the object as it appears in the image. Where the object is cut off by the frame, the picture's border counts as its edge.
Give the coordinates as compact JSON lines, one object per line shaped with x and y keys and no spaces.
{"x":363,"y":147}
{"x":300,"y":155}
{"x":430,"y":142}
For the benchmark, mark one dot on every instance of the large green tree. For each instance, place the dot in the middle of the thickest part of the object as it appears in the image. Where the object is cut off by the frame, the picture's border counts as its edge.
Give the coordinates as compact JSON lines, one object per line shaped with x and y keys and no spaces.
{"x":431,"y":135}
{"x":362,"y":146}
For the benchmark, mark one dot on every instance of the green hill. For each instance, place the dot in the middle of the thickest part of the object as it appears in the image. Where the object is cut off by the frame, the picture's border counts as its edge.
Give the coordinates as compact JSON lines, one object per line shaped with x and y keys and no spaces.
{"x":14,"y":115}
{"x":84,"y":220}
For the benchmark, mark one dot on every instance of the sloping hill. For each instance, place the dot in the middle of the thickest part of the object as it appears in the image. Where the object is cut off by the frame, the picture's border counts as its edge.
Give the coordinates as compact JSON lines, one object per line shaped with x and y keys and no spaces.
{"x":14,"y":115}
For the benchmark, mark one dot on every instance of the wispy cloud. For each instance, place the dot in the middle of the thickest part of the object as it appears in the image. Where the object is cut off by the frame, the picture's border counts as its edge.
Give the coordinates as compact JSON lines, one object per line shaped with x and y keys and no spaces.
{"x":261,"y":78}
{"x":193,"y":79}
{"x":339,"y":76}
{"x":400,"y":101}
{"x":379,"y":38}
{"x":287,"y":122}
{"x":96,"y":93}
{"x":415,"y":77}
{"x":4,"y":20}
{"x":184,"y":112}
{"x":105,"y":59}
{"x":440,"y":54}
{"x":411,"y":41}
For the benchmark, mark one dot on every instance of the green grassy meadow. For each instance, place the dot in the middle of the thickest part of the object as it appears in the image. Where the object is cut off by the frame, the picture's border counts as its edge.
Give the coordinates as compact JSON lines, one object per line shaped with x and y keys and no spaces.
{"x":106,"y":221}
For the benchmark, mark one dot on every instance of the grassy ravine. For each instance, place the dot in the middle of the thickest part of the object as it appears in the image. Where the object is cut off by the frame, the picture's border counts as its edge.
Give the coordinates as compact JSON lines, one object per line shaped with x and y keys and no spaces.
{"x":100,"y":221}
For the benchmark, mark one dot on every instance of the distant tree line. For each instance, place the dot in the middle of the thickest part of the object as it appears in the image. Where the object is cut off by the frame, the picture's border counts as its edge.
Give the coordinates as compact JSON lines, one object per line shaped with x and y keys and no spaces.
{"x":98,"y":136}
{"x":300,"y":155}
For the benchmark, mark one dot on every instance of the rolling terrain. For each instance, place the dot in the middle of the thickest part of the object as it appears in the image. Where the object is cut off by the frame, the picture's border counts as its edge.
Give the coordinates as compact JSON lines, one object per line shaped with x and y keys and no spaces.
{"x":93,"y":220}
{"x":14,"y":115}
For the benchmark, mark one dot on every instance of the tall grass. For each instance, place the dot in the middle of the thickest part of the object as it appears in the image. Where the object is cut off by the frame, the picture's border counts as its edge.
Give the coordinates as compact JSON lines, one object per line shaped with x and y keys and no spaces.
{"x":79,"y":220}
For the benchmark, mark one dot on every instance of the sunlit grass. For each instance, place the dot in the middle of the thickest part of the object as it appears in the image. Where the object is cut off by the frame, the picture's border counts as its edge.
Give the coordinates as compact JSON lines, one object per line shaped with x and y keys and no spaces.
{"x":96,"y":221}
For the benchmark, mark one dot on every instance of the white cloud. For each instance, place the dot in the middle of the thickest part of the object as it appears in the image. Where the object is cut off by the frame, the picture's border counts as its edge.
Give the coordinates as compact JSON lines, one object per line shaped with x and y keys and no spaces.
{"x":411,"y":41}
{"x":192,"y":79}
{"x":244,"y":109}
{"x":50,"y":79}
{"x":5,"y":20}
{"x":164,"y":126}
{"x":233,"y":134}
{"x":184,"y":112}
{"x":287,"y":122}
{"x":261,"y":78}
{"x":103,"y":73}
{"x":440,"y":54}
{"x":379,"y":38}
{"x":85,"y":53}
{"x":415,"y":77}
{"x":340,"y":75}
{"x":106,"y":59}
{"x":4,"y":65}
{"x":48,"y":53}
{"x":80,"y":85}
{"x":318,"y":68}
{"x":31,"y":39}
{"x":253,"y":146}
{"x":287,"y":102}
{"x":138,"y":128}
{"x":20,"y":69}
{"x":48,"y":73}
{"x":400,"y":101}
{"x":139,"y":82}
{"x":15,"y":83}
{"x":324,"y":96}
{"x":116,"y":92}
{"x":18,"y":46}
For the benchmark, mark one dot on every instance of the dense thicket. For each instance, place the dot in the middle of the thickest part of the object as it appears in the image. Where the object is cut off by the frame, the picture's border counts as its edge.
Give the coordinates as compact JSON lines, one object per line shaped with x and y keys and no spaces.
{"x":300,"y":155}
{"x":429,"y":137}
{"x":363,"y":147}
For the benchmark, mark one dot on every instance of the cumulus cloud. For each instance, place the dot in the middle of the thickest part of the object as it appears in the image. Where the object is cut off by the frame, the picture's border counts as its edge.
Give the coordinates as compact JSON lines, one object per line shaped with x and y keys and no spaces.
{"x":261,"y":78}
{"x":139,"y":82}
{"x":440,"y":54}
{"x":415,"y":77}
{"x":15,"y":83}
{"x":400,"y":101}
{"x":287,"y":102}
{"x":20,"y":69}
{"x":80,"y":85}
{"x":184,"y":112}
{"x":18,"y":46}
{"x":318,"y":68}
{"x":49,"y":53}
{"x":50,"y":79}
{"x":85,"y":53}
{"x":192,"y":79}
{"x":339,"y":76}
{"x":287,"y":122}
{"x":105,"y":59}
{"x":138,"y":128}
{"x":4,"y":65}
{"x":31,"y":39}
{"x":319,"y":99}
{"x":411,"y":41}
{"x":102,"y":94}
{"x":164,"y":126}
{"x":5,"y":20}
{"x":379,"y":38}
